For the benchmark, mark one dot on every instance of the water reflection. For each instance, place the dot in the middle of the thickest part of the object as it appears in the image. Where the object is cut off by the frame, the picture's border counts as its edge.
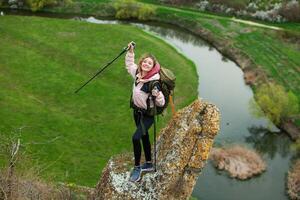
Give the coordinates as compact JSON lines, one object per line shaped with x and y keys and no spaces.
{"x":170,"y":31}
{"x":269,"y":143}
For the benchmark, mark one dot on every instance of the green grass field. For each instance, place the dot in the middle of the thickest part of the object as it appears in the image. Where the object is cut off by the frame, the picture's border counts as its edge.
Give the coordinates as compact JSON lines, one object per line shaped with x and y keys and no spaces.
{"x":43,"y":61}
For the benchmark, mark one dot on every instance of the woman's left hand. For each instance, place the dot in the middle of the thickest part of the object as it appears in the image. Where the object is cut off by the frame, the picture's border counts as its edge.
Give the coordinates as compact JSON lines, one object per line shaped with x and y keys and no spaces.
{"x":155,"y":92}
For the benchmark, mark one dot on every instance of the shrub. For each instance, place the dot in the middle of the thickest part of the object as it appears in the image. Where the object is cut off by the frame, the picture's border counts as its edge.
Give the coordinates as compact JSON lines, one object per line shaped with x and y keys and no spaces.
{"x":289,"y":36}
{"x":20,"y":175}
{"x":178,"y":2}
{"x":277,"y":104}
{"x":38,"y":4}
{"x":235,"y":4}
{"x":293,"y":180}
{"x":130,"y":9}
{"x":145,"y":12}
{"x":291,"y":11}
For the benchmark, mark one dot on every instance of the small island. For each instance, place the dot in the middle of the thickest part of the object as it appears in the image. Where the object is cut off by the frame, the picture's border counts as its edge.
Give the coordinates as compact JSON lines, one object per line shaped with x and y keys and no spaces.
{"x":240,"y":162}
{"x":293,"y":181}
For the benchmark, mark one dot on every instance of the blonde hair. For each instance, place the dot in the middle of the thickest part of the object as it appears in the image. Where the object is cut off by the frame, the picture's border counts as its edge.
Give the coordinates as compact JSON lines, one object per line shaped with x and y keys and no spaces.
{"x":144,"y":56}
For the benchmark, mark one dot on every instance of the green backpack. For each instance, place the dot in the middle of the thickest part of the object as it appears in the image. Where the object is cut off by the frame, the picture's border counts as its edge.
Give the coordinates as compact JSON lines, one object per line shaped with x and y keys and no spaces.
{"x":167,"y":85}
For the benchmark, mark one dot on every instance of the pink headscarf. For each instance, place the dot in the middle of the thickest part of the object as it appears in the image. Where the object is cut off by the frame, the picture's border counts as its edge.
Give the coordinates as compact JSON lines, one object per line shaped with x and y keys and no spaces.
{"x":153,"y":71}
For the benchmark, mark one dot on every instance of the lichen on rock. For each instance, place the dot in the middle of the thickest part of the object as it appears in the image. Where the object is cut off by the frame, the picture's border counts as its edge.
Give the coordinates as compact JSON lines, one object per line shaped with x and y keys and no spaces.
{"x":182,"y":150}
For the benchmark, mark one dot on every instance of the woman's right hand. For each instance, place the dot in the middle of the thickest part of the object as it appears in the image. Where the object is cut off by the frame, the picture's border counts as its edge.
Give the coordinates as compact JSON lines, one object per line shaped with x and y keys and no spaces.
{"x":130,"y":47}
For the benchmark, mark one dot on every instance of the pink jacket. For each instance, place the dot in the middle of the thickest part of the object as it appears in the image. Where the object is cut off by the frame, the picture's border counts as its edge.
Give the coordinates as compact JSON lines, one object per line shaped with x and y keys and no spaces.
{"x":140,"y":97}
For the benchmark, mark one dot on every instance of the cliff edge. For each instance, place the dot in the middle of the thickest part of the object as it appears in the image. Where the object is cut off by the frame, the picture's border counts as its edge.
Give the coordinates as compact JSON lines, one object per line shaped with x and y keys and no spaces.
{"x":182,"y":149}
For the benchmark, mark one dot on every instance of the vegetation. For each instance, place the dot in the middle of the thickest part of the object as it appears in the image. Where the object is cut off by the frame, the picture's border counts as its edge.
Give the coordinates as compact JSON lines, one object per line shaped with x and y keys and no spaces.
{"x":293,"y":179}
{"x":240,"y":162}
{"x":37,"y":4}
{"x":43,"y":61}
{"x":34,"y":5}
{"x":291,"y":12}
{"x":20,"y":176}
{"x":280,"y":57}
{"x":276,"y":103}
{"x":236,"y":4}
{"x":130,"y":9}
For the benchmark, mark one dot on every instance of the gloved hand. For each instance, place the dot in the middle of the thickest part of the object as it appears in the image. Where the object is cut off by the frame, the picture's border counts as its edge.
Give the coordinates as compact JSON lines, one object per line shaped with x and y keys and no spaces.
{"x":155,"y":92}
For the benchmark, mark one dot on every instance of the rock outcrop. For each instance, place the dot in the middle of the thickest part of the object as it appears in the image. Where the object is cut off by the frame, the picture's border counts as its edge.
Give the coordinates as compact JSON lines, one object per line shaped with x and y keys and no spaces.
{"x":182,"y":149}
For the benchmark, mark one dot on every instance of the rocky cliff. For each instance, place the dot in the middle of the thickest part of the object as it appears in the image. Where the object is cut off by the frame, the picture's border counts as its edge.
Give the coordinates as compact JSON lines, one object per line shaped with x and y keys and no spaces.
{"x":182,"y":149}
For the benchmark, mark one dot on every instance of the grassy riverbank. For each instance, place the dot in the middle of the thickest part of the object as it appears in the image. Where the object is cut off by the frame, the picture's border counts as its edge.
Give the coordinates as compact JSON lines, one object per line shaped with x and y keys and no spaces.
{"x":272,"y":50}
{"x":270,"y":47}
{"x":43,"y":61}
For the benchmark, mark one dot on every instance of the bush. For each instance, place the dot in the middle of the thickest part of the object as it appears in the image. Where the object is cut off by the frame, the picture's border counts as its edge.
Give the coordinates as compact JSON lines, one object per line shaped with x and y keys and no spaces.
{"x":289,"y":36}
{"x":145,"y":12}
{"x":20,"y":175}
{"x":38,"y":4}
{"x":235,"y":4}
{"x":130,"y":9}
{"x":178,"y":2}
{"x":293,"y":180}
{"x":276,"y":103}
{"x":291,"y":11}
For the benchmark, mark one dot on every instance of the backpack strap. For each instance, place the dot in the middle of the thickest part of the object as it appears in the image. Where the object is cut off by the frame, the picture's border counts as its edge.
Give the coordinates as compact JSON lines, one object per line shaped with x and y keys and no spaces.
{"x":172,"y":105}
{"x":136,"y":72}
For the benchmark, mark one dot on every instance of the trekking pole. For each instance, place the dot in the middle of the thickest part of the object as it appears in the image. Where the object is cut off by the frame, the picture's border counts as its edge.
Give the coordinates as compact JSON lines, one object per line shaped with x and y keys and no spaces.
{"x":154,"y":136}
{"x":123,"y":51}
{"x":154,"y":131}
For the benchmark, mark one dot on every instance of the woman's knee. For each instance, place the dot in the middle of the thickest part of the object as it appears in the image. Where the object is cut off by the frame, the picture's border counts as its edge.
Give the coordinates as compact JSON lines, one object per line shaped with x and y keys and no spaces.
{"x":136,"y":137}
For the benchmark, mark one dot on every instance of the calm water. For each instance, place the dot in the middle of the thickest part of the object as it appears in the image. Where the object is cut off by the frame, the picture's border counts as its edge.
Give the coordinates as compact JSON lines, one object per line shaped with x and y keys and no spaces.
{"x":221,"y":82}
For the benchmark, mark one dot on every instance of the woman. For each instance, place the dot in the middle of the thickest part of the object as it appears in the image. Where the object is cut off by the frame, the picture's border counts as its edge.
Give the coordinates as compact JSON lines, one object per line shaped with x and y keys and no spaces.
{"x":145,"y":72}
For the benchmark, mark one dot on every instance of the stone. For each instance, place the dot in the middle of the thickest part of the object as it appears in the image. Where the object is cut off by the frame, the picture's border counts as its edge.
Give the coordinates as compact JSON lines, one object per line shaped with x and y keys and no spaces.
{"x":14,"y":6}
{"x":11,"y":2}
{"x":182,"y":149}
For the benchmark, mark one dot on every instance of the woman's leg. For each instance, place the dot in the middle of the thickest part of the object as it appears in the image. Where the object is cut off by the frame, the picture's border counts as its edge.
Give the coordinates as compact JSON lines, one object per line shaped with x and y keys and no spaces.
{"x":147,"y":147}
{"x":138,"y":135}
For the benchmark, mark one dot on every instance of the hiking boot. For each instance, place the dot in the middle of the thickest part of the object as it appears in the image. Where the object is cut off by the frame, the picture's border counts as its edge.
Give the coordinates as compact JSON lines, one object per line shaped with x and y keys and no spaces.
{"x":135,"y":174}
{"x":147,"y":167}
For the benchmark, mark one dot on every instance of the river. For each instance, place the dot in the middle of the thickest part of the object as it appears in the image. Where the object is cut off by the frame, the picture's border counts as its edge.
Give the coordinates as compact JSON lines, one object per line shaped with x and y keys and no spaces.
{"x":221,"y":82}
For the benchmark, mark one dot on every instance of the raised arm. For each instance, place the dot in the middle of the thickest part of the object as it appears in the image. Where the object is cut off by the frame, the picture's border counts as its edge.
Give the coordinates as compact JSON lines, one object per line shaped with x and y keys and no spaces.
{"x":129,"y":61}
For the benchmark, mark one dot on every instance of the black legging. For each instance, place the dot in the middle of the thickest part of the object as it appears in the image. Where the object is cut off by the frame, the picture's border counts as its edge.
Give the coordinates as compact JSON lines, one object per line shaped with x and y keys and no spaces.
{"x":138,"y":135}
